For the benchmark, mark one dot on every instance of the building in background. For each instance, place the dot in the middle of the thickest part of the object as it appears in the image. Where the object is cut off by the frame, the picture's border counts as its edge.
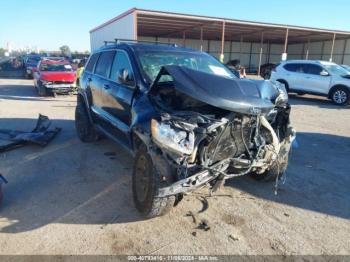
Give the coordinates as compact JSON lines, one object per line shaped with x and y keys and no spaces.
{"x":253,"y":43}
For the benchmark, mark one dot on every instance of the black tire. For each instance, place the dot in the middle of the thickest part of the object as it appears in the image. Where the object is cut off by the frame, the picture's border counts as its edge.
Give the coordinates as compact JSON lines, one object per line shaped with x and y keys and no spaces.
{"x":85,"y":130}
{"x":145,"y":187}
{"x":273,"y":172}
{"x":340,"y":96}
{"x":42,"y":90}
{"x":285,"y":84}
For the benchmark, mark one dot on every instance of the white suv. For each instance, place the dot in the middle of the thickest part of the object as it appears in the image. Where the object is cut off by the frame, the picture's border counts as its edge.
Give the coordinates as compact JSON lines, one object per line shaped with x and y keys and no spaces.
{"x":314,"y":77}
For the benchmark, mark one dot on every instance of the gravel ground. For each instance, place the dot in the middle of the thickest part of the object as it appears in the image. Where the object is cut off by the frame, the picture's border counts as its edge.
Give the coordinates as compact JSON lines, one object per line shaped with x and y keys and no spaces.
{"x":75,"y":198}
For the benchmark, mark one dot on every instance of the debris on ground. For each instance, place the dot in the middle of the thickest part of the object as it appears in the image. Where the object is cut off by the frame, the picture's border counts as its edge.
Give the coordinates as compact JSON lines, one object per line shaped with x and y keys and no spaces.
{"x":204,"y":225}
{"x":41,"y":135}
{"x":204,"y":202}
{"x":233,"y":237}
{"x":190,"y":214}
{"x":194,"y":233}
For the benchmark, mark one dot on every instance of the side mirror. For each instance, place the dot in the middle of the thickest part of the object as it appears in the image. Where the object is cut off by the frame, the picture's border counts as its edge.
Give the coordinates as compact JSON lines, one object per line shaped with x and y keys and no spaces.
{"x":124,"y":77}
{"x":324,"y":73}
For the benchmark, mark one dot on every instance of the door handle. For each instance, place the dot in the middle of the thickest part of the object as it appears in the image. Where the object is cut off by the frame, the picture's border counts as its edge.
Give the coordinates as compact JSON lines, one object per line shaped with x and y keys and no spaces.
{"x":106,"y":86}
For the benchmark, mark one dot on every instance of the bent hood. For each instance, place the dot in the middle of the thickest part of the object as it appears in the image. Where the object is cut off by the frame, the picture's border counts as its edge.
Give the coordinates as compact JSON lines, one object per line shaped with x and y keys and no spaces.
{"x":242,"y":96}
{"x":58,"y":76}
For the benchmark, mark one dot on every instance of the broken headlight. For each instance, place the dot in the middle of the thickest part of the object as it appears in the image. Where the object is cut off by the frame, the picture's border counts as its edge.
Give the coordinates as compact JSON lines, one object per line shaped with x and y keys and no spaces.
{"x":174,"y":139}
{"x":281,"y":99}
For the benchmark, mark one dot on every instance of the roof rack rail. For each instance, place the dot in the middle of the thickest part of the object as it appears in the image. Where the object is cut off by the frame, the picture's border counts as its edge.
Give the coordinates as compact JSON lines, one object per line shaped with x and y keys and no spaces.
{"x":119,"y":40}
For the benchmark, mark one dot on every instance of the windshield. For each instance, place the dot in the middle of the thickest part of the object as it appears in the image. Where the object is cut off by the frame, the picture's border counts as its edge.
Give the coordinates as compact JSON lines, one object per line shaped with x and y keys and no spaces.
{"x":336,"y":70}
{"x":55,"y":67}
{"x":152,"y":61}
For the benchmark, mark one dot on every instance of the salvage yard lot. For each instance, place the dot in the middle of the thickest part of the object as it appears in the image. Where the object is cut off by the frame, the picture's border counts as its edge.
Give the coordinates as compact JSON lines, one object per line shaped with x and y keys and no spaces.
{"x":75,"y":198}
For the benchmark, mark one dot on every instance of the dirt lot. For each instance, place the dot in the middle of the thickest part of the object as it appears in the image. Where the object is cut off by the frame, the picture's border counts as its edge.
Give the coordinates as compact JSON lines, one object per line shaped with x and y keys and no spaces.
{"x":75,"y":198}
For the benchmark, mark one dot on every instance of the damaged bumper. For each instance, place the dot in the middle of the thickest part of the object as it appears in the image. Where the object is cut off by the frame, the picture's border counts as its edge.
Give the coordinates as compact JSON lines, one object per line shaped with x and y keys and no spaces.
{"x":215,"y":175}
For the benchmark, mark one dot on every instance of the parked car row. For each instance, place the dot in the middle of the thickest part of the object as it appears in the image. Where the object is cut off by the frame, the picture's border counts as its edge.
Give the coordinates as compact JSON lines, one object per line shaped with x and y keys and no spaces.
{"x":314,"y":77}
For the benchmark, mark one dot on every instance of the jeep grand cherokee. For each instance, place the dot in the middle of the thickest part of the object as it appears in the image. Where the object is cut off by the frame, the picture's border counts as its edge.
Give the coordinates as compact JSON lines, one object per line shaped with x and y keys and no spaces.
{"x":186,"y":119}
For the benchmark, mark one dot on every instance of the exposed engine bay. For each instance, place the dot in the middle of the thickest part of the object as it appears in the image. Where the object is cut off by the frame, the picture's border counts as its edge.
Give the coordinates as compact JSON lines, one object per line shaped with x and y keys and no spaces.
{"x":207,"y":144}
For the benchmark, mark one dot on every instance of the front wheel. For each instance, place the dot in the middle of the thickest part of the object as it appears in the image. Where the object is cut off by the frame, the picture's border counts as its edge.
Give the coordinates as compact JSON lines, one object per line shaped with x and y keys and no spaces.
{"x":145,"y":187}
{"x":340,"y":96}
{"x":276,"y":171}
{"x":85,"y":130}
{"x":42,"y":90}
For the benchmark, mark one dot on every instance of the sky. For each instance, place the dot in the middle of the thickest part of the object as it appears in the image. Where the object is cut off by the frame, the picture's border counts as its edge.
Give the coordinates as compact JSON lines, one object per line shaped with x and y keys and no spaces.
{"x":50,"y":24}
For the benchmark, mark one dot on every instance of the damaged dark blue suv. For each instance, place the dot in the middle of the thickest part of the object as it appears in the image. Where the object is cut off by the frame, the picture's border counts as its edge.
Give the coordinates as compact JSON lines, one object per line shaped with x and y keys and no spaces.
{"x":186,"y":119}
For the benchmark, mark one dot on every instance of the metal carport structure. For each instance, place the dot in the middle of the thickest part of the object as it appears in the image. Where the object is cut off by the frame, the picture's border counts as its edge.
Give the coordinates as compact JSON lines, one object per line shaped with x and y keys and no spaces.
{"x":253,"y":42}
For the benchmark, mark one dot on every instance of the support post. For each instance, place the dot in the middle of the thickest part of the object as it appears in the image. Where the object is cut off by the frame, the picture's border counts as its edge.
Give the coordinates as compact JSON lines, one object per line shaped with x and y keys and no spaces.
{"x":322,"y":50}
{"x":184,"y":39}
{"x":222,"y":57}
{"x":250,"y":56}
{"x":344,"y":49}
{"x":261,"y":51}
{"x":332,"y":50}
{"x":240,"y":48}
{"x":201,"y":38}
{"x":307,"y":50}
{"x":285,"y":45}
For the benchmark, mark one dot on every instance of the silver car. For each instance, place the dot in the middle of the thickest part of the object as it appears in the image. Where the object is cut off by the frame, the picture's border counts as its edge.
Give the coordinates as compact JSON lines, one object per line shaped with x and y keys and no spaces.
{"x":314,"y":77}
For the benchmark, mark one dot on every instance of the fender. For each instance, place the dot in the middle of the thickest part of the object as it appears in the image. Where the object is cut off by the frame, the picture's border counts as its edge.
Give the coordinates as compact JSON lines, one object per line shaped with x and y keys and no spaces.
{"x":334,"y":87}
{"x":82,"y":95}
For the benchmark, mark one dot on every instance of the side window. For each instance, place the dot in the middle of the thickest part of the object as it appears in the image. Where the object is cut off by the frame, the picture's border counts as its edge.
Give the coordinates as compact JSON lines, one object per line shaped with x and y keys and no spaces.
{"x":104,"y":63}
{"x":291,"y":67}
{"x":121,"y":65}
{"x":312,"y":69}
{"x":92,"y":61}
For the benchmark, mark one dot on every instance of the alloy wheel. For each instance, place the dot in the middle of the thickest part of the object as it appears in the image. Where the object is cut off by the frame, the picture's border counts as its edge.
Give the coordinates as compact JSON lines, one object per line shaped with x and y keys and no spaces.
{"x":340,"y":96}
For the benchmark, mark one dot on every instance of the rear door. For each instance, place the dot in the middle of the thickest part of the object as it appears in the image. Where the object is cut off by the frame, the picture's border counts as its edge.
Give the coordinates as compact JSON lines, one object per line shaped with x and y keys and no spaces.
{"x":292,"y":75}
{"x":99,"y":80}
{"x":117,"y":95}
{"x":88,"y":81}
{"x":314,"y":81}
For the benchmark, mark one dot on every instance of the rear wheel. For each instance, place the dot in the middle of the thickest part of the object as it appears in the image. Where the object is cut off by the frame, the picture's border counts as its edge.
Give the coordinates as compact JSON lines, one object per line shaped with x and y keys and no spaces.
{"x":85,"y":130}
{"x":340,"y":95}
{"x":145,"y":187}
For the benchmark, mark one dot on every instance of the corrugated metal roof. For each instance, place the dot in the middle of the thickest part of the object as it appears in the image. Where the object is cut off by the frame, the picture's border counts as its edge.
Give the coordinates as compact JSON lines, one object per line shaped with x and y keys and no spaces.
{"x":168,"y":24}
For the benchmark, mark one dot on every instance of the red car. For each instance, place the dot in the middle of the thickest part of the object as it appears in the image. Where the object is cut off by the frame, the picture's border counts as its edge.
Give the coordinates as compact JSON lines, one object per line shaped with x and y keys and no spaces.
{"x":54,"y":76}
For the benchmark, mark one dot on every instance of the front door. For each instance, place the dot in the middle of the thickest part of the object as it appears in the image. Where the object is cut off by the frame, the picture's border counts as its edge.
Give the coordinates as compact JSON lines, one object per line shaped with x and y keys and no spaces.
{"x":117,"y":94}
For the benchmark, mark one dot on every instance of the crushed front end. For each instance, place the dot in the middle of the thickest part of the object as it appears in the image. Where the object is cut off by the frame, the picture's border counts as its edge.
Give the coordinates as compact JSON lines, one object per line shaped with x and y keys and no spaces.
{"x":204,"y":141}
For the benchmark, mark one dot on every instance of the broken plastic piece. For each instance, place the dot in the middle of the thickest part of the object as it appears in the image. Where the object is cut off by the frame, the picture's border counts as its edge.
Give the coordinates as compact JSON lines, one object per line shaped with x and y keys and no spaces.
{"x":40,"y":135}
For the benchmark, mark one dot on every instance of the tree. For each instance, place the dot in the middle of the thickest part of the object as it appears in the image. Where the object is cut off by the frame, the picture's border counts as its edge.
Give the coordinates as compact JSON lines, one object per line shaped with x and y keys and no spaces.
{"x":65,"y":50}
